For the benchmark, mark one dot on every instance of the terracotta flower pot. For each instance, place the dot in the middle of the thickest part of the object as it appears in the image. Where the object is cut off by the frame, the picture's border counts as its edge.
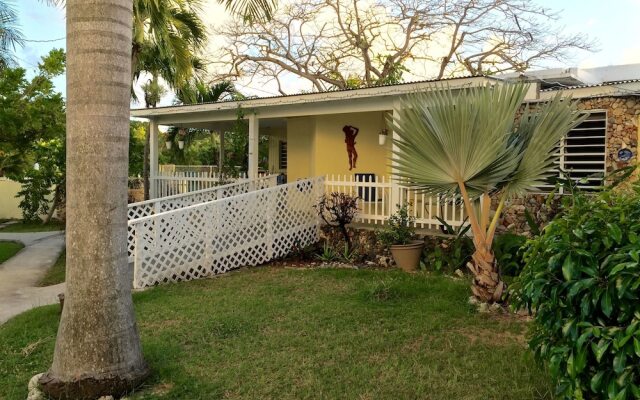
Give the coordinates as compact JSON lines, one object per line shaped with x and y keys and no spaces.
{"x":407,"y":256}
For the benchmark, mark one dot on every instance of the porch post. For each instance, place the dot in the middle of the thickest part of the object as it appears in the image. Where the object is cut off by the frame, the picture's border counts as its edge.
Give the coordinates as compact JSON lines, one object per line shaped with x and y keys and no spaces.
{"x":252,"y":172}
{"x":395,"y":187}
{"x":221,"y":152}
{"x":153,"y":158}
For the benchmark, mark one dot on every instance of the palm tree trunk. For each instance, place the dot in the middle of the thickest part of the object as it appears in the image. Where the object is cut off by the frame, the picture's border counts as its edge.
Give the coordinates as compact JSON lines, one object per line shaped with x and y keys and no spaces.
{"x":97,"y":349}
{"x":487,"y":285}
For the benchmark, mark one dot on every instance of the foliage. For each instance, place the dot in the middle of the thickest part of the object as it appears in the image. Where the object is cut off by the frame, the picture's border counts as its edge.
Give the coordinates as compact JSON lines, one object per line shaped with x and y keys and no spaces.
{"x":30,"y":112}
{"x":446,"y":254}
{"x":582,"y":281}
{"x":278,"y":325}
{"x":399,"y":227}
{"x":339,"y":44}
{"x":10,"y":35}
{"x":328,"y":254}
{"x":167,"y":36}
{"x":466,"y":144}
{"x":350,"y":255}
{"x":137,"y":132}
{"x":28,"y":227}
{"x":337,"y":210}
{"x":508,"y":250}
{"x":32,"y":140}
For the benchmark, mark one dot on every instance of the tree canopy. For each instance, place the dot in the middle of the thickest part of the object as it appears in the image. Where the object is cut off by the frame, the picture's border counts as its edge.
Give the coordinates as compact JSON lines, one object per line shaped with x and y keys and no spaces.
{"x":338,"y":44}
{"x":31,"y":112}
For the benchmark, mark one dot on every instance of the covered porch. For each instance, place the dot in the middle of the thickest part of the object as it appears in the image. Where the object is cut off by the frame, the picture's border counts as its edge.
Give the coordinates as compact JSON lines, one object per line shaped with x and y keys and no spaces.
{"x":309,"y":136}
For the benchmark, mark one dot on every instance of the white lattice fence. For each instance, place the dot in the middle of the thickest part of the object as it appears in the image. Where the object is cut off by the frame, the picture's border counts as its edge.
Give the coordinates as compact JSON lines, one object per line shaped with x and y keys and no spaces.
{"x":215,"y":237}
{"x":169,"y":203}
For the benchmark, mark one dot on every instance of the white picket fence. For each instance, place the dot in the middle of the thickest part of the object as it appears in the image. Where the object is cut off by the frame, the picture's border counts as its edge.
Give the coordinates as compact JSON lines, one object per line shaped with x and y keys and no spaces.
{"x":216,"y":236}
{"x":169,"y":203}
{"x":379,"y":196}
{"x":172,"y":183}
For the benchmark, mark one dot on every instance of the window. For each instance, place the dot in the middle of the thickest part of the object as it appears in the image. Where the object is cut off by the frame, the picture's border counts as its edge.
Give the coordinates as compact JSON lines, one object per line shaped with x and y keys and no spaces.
{"x":282,"y":154}
{"x":582,"y":153}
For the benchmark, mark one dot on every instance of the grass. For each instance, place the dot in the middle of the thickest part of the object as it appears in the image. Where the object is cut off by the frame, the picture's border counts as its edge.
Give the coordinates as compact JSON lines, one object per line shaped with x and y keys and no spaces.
{"x":56,"y":273}
{"x":8,"y":249}
{"x":272,"y":333}
{"x":28,"y":227}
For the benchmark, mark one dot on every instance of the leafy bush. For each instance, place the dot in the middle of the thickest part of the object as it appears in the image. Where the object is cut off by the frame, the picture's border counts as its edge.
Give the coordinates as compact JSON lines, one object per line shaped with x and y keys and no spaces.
{"x":508,"y":251}
{"x":446,"y":254}
{"x":399,"y":228}
{"x":582,"y":280}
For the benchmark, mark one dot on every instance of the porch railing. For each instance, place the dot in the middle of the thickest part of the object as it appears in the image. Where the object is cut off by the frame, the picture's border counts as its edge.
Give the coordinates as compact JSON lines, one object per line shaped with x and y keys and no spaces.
{"x":172,"y":183}
{"x":160,"y":205}
{"x":379,"y":196}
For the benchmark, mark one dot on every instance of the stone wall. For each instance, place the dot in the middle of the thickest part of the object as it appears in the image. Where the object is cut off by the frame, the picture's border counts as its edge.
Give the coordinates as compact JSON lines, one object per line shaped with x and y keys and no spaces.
{"x":622,"y":126}
{"x":622,"y":130}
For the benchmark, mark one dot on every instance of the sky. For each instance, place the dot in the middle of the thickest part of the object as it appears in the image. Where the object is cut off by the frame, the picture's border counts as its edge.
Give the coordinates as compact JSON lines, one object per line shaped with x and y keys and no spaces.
{"x":611,"y":24}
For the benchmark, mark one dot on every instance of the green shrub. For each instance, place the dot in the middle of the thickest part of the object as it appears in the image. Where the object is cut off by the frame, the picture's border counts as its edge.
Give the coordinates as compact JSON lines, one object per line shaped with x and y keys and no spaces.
{"x":507,"y":249}
{"x":399,"y":228}
{"x":448,"y":253}
{"x":582,"y":281}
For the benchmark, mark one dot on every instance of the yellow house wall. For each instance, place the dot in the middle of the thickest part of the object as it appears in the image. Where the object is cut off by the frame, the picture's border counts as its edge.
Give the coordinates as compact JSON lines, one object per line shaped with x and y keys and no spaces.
{"x":8,"y":200}
{"x":331,"y":150}
{"x":316,"y":146}
{"x":300,"y":148}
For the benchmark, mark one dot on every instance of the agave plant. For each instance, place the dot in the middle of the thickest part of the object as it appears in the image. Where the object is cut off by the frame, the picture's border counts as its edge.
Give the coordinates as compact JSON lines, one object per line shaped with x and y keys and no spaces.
{"x":469,"y":143}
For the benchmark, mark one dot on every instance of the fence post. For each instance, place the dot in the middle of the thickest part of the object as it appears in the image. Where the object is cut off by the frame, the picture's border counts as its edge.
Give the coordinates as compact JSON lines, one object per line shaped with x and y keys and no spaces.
{"x":137,"y":256}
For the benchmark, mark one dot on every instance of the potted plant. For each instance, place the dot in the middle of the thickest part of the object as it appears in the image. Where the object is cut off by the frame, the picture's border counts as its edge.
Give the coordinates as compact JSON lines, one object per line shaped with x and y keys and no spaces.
{"x":181,"y":134}
{"x":399,"y":236}
{"x":382,"y":136}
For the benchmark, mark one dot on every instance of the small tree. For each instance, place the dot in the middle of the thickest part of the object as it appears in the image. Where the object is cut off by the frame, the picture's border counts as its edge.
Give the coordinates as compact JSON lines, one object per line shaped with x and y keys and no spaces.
{"x":337,"y":210}
{"x":467,"y":144}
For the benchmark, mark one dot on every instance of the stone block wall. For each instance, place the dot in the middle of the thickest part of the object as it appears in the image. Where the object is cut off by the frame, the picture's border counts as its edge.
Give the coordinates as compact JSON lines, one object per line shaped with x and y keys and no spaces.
{"x":622,"y":130}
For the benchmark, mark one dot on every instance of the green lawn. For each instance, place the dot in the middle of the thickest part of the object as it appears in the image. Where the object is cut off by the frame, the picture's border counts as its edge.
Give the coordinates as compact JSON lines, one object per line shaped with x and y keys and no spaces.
{"x":56,"y":273}
{"x":8,"y":249}
{"x":22,"y":227}
{"x":272,"y":333}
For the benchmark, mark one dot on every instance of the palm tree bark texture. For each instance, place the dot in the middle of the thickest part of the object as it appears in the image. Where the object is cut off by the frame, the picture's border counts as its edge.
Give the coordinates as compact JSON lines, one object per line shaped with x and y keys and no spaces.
{"x":98,"y":349}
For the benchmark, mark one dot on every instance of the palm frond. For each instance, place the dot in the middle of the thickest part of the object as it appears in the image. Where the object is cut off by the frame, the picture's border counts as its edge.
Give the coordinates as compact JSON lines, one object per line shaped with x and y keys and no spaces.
{"x":251,"y":10}
{"x":450,"y":137}
{"x":541,"y":129}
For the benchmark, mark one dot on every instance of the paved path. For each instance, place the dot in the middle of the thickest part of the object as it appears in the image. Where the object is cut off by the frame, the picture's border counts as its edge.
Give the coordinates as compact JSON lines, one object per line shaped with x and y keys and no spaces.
{"x":20,"y":274}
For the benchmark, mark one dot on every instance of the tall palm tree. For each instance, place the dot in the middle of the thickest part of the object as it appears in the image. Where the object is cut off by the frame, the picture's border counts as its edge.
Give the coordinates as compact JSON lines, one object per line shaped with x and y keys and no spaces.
{"x":10,"y":35}
{"x":468,"y":144}
{"x":97,"y":348}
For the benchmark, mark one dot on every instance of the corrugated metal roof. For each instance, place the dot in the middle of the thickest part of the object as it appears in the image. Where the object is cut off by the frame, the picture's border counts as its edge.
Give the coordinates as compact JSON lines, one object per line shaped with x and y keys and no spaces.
{"x":612,"y":83}
{"x":327,"y":91}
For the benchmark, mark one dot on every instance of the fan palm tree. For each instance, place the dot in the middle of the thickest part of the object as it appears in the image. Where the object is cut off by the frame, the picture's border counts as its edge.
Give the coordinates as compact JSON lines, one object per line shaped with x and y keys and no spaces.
{"x":10,"y":35}
{"x":97,"y":348}
{"x":468,"y":144}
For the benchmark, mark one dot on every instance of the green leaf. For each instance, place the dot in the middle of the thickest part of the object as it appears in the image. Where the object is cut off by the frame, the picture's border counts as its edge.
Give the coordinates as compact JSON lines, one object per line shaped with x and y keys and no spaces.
{"x":569,"y":268}
{"x":596,"y":381}
{"x":615,"y":232}
{"x":619,"y":362}
{"x":607,"y":307}
{"x":600,"y":348}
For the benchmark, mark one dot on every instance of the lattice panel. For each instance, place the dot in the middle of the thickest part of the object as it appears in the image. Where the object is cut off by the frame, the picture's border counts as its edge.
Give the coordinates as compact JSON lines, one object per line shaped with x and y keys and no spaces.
{"x":170,"y":203}
{"x":215,"y":237}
